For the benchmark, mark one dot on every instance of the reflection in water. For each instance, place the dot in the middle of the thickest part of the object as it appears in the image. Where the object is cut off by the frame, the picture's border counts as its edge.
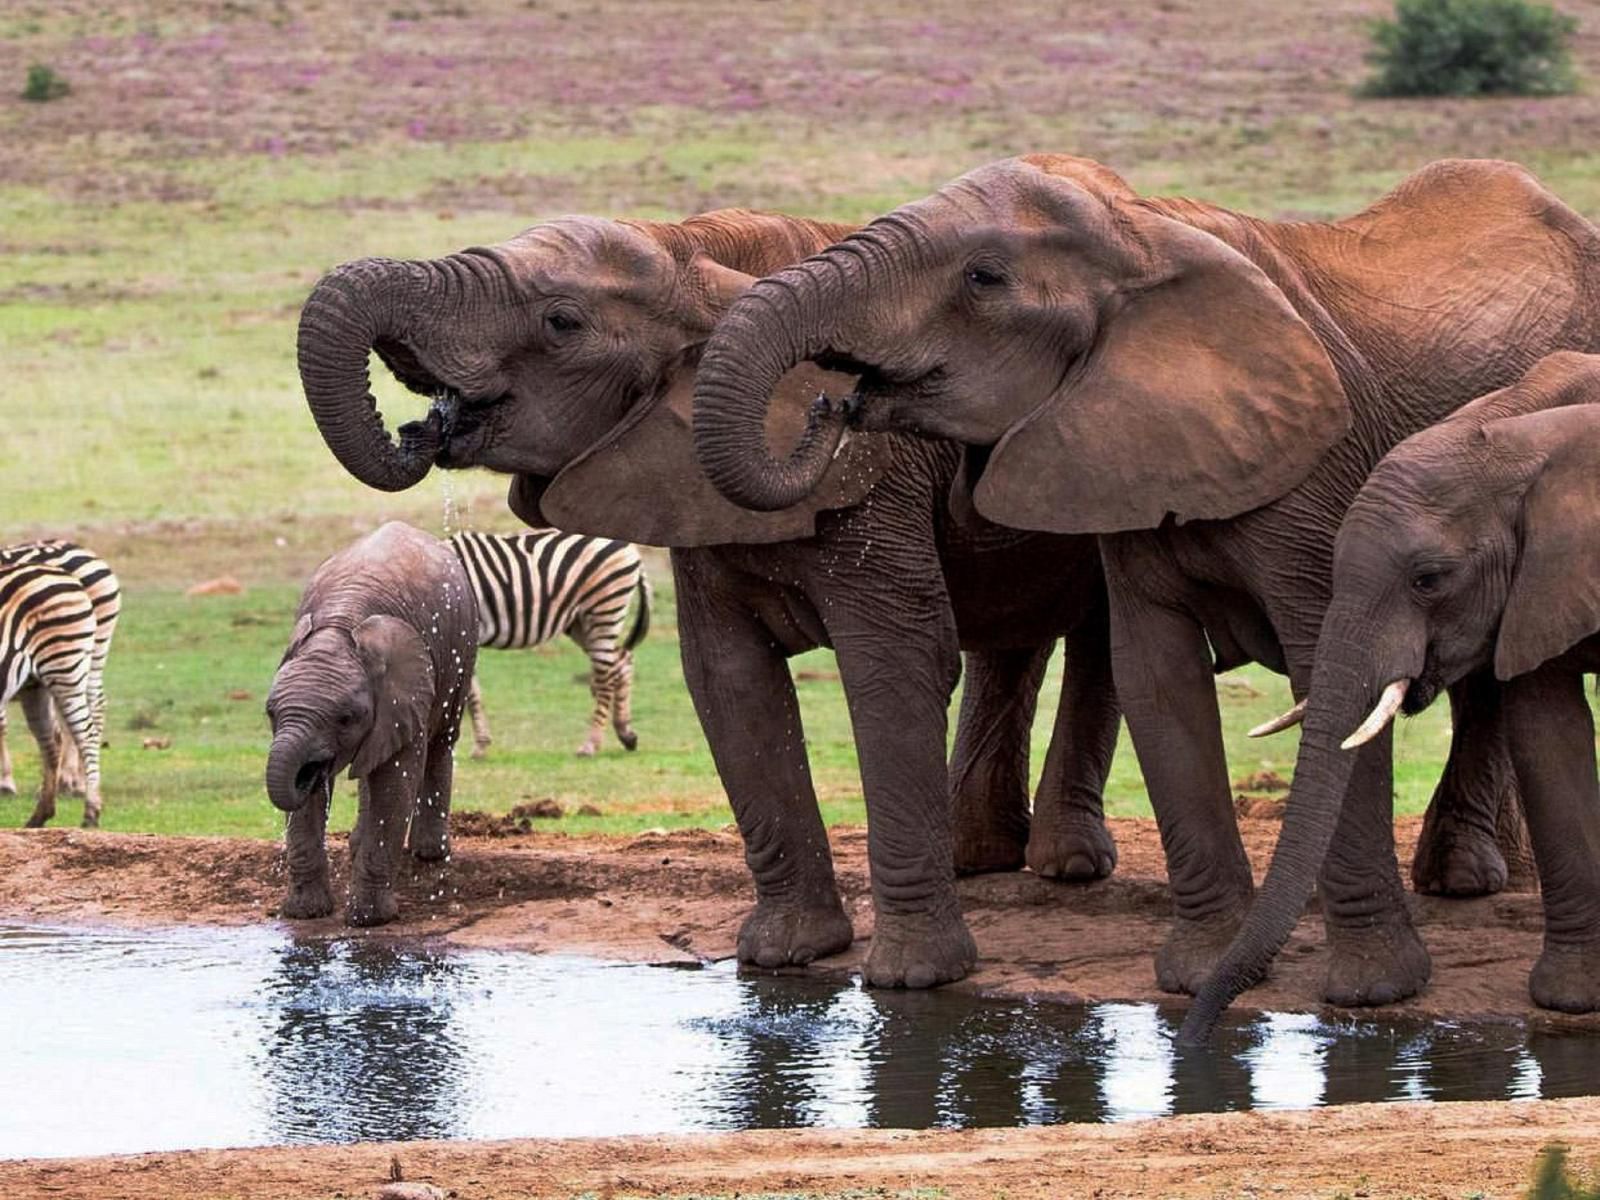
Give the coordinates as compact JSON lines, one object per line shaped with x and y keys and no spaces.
{"x":248,"y":1037}
{"x":359,"y":1039}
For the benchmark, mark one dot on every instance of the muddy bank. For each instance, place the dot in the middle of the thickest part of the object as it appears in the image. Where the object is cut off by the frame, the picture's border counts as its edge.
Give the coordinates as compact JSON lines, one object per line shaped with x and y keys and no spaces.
{"x":1369,"y":1151}
{"x":680,"y":897}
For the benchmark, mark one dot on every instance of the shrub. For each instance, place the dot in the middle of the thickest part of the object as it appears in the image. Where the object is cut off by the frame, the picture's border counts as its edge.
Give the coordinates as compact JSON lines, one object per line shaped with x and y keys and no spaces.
{"x":1472,"y":48}
{"x":44,"y":84}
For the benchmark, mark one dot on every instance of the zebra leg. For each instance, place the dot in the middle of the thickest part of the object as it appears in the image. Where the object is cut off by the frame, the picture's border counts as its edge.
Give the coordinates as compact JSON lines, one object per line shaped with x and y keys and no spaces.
{"x":602,"y":688}
{"x":42,"y":724}
{"x":622,"y":704}
{"x":71,"y":769}
{"x":8,"y":783}
{"x":480,"y":720}
{"x":77,"y":712}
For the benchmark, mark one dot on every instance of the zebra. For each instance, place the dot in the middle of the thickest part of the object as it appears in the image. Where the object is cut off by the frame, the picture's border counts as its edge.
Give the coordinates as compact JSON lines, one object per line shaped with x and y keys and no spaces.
{"x":532,"y":586}
{"x":47,"y":637}
{"x":96,"y":578}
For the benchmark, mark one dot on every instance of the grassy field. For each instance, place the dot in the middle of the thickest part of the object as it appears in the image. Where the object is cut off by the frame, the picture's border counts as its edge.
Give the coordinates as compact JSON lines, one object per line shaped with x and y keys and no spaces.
{"x":161,"y":224}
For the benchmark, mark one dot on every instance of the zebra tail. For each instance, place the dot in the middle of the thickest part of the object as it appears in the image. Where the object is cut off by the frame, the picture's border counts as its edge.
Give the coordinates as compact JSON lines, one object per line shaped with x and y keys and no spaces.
{"x":641,"y":619}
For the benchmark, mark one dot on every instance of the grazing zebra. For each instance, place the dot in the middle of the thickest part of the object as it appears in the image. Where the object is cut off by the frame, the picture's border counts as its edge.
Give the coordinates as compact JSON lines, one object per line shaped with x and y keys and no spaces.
{"x":532,"y":586}
{"x":47,"y":636}
{"x":96,"y":578}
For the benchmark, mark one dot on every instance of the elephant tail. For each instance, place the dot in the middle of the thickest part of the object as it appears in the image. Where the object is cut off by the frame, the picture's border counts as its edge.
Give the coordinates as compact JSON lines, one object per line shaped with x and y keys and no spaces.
{"x":641,"y":619}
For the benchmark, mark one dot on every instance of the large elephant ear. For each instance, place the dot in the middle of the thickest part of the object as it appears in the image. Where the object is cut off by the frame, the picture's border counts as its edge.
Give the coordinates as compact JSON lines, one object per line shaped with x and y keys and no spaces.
{"x":642,"y":482}
{"x":1204,"y":395}
{"x":400,"y":674}
{"x":1554,"y":600}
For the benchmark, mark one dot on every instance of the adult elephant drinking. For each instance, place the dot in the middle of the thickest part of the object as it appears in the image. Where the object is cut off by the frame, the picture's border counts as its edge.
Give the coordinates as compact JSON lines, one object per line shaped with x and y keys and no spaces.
{"x":566,"y":356}
{"x":1205,"y":390}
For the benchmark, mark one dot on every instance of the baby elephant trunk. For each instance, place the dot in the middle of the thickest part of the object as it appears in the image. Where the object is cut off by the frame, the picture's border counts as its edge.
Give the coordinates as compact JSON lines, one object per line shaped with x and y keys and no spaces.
{"x":299,"y":767}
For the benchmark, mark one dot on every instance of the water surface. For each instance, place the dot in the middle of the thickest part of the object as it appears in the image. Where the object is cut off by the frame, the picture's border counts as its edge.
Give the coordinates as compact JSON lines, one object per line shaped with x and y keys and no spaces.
{"x":118,"y":1041}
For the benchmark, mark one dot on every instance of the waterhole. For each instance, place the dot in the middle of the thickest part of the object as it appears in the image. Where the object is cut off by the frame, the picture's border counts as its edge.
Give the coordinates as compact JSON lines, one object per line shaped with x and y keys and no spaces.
{"x":117,"y":1041}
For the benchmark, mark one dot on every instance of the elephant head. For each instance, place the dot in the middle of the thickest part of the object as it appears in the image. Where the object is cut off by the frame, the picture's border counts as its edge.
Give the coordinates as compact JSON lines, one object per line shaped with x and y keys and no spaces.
{"x":342,"y":698}
{"x":566,"y":356}
{"x":1473,"y":545}
{"x":1106,"y":362}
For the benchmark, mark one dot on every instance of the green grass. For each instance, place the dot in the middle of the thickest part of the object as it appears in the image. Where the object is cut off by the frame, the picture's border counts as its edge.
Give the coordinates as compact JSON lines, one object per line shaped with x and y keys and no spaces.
{"x":196,"y":670}
{"x":153,"y":257}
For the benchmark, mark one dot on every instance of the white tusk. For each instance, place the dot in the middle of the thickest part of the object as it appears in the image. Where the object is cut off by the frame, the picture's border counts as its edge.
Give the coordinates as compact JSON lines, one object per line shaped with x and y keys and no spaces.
{"x":1278,"y":724}
{"x":1382,"y":713}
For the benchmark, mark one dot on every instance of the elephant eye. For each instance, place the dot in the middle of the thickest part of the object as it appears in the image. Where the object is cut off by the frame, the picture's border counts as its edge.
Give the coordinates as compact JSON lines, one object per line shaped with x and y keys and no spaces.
{"x":1427,"y":582}
{"x":563,"y":322}
{"x":985,"y":277}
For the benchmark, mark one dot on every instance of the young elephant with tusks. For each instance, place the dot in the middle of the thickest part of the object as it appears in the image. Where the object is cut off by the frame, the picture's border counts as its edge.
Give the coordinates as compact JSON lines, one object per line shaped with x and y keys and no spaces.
{"x":1473,"y":547}
{"x":374,"y":679}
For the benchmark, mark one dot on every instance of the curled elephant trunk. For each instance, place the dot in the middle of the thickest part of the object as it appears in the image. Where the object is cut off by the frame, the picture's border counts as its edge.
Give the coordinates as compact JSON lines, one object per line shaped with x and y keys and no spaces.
{"x":298,"y":768}
{"x":352,"y":308}
{"x":778,"y":324}
{"x":1337,"y":702}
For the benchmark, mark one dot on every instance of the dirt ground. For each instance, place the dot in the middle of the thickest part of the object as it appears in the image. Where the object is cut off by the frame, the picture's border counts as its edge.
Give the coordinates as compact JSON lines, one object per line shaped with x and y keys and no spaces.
{"x":678,"y":896}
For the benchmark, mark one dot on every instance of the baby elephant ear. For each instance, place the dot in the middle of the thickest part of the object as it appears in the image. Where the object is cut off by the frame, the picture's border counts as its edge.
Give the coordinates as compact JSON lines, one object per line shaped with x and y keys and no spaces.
{"x":1554,"y":601}
{"x":400,"y":675}
{"x":642,"y":482}
{"x":1205,"y":395}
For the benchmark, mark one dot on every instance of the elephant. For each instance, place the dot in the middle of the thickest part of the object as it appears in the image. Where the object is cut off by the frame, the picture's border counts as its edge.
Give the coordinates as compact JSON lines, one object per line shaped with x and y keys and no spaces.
{"x":1473,"y":549}
{"x":566,"y":357}
{"x":1205,"y":392}
{"x":374,"y":679}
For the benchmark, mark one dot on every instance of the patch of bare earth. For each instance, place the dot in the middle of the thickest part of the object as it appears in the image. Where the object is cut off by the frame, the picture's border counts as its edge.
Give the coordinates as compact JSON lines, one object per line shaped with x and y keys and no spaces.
{"x":680,"y":897}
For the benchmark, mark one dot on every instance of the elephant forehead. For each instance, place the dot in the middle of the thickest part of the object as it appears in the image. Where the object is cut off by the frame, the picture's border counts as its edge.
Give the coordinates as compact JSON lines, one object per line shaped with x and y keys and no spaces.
{"x":584,"y":253}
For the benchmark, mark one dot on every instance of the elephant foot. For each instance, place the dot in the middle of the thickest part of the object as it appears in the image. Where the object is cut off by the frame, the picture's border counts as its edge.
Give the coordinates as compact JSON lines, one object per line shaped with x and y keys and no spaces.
{"x":1375,"y":964}
{"x":307,"y":902}
{"x":1192,"y":950}
{"x":777,"y":935}
{"x":1567,"y":977}
{"x":920,"y":951}
{"x":1079,"y":849}
{"x":430,"y":849}
{"x":1458,"y":862}
{"x":372,"y":908}
{"x":982,"y":851}
{"x":628,"y":738}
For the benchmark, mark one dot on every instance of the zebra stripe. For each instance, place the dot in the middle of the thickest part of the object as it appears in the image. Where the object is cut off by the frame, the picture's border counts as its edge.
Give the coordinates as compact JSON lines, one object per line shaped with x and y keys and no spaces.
{"x":47,"y":634}
{"x":532,"y":586}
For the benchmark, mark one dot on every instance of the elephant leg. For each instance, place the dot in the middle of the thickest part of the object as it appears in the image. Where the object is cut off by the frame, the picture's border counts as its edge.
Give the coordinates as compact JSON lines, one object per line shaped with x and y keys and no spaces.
{"x":739,"y":681}
{"x":1375,"y":953}
{"x":37,"y":710}
{"x":899,"y":664}
{"x":305,"y":847}
{"x":989,"y":763}
{"x":1475,"y":805}
{"x":1552,"y":745}
{"x":388,"y":797}
{"x":1168,"y":695}
{"x":8,"y":782}
{"x":429,"y":837}
{"x":1070,"y":839}
{"x":480,"y":720}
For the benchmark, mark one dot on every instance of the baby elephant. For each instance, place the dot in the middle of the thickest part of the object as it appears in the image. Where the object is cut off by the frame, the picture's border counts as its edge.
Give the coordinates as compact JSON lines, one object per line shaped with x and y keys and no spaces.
{"x":1473,"y":549}
{"x":374,"y":679}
